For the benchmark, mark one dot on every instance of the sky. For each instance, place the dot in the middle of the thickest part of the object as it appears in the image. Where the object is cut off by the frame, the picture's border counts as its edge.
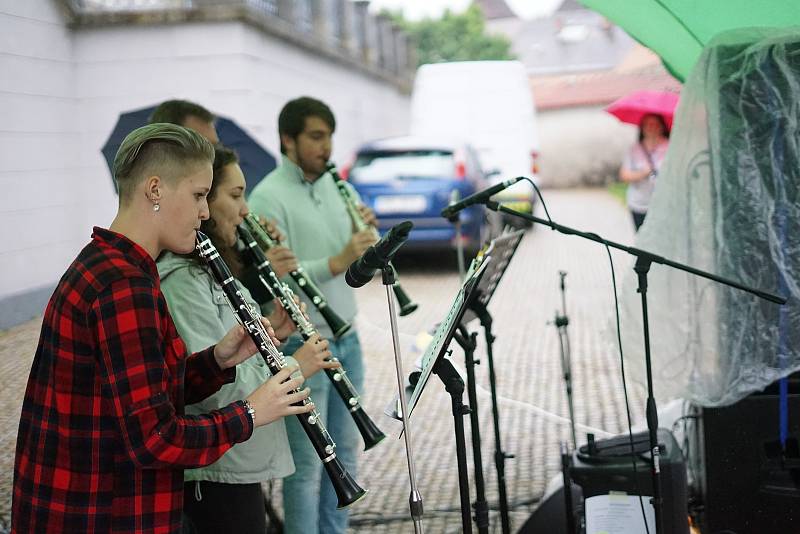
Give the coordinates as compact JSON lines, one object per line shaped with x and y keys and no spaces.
{"x":417,"y":9}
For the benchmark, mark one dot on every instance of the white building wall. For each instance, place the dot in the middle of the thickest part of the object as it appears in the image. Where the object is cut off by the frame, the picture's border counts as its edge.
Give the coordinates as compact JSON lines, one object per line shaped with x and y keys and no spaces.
{"x":62,"y":90}
{"x":40,"y":208}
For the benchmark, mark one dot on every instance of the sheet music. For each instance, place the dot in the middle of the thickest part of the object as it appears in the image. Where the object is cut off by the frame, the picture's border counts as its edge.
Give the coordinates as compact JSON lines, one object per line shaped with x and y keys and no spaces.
{"x":501,"y":249}
{"x":447,"y":326}
{"x":618,"y":514}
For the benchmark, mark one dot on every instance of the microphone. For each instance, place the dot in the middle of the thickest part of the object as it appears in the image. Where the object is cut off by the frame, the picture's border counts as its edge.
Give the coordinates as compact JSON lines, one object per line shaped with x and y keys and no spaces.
{"x":378,"y":255}
{"x":478,"y":198}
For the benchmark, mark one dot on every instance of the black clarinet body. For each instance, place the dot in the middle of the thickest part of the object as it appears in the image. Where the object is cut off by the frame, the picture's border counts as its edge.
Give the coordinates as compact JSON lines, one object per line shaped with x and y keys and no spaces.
{"x":370,"y":432}
{"x":403,"y":300}
{"x":338,"y":326}
{"x":347,"y":489}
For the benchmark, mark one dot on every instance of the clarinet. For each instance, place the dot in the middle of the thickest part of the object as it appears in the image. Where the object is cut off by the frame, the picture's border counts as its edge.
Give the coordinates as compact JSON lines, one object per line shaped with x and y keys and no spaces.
{"x":337,"y":325}
{"x":347,"y":490}
{"x":371,"y":434}
{"x":403,"y":300}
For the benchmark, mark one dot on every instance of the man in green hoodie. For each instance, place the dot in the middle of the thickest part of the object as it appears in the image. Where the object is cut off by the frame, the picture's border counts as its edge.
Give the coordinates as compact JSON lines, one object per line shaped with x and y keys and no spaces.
{"x":305,"y":202}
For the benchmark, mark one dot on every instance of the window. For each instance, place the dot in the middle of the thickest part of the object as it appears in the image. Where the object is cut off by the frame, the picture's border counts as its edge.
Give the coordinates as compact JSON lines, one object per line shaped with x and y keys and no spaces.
{"x":377,"y":167}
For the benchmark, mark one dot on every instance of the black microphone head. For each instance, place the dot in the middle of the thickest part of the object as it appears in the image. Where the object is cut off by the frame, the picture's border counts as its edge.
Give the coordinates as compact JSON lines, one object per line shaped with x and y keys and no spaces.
{"x":378,"y":255}
{"x":402,"y":229}
{"x":356,"y":279}
{"x":386,"y":247}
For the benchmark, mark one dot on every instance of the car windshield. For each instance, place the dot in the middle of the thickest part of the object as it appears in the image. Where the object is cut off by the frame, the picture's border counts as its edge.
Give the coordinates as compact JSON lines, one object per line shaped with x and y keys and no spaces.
{"x":376,"y":167}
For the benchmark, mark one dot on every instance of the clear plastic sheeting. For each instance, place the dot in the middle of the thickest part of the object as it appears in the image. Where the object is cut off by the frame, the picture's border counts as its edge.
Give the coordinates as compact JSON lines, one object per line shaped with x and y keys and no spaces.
{"x":726,"y":202}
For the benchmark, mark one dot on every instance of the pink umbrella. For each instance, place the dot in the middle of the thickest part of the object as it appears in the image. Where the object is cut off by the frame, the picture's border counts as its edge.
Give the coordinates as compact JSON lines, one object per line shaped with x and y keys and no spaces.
{"x":631,"y":108}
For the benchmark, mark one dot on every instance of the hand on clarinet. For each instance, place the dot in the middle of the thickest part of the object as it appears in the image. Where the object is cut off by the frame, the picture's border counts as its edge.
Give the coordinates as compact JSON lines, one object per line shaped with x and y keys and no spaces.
{"x":313,"y":356}
{"x":282,"y":260}
{"x":281,"y":322}
{"x":271,"y":227}
{"x":237,"y":346}
{"x":274,"y":398}
{"x":368,"y":215}
{"x":303,"y":307}
{"x":358,"y":244}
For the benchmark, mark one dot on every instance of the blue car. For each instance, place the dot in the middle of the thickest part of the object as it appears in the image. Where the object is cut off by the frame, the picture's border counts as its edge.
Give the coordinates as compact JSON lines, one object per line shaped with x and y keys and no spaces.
{"x":412,"y":178}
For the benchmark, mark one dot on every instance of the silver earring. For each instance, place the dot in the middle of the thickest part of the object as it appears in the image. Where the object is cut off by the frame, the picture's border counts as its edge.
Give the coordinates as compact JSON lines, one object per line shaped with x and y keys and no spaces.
{"x":156,"y":207}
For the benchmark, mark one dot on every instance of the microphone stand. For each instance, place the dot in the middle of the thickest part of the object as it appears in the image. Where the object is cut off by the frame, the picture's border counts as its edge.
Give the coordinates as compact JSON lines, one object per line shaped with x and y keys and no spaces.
{"x":561,"y":322}
{"x":462,"y":272}
{"x":468,"y":342}
{"x":566,"y":462}
{"x":415,"y":498}
{"x":644,"y":260}
{"x":500,"y":456}
{"x":456,"y":220}
{"x":454,"y":385}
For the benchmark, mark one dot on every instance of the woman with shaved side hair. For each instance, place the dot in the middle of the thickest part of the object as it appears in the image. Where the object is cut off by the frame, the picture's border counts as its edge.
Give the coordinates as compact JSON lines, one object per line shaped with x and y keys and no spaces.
{"x":103,"y":437}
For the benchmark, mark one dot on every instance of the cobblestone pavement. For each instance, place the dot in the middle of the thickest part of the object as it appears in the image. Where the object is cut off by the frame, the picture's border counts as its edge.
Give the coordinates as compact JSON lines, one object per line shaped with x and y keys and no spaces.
{"x":533,"y":408}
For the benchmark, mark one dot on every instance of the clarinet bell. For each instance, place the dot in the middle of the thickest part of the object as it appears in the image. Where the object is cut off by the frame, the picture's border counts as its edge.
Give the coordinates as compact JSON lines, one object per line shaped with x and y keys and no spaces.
{"x":371,"y":434}
{"x":348,"y":492}
{"x":338,"y":326}
{"x":403,"y":301}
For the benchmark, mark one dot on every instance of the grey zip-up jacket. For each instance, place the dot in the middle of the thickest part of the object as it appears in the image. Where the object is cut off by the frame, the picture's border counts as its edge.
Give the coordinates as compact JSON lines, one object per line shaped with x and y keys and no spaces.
{"x":202,"y":317}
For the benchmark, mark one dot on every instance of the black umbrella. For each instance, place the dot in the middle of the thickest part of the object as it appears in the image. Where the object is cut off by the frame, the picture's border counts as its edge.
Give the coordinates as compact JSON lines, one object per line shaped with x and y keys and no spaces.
{"x":254,"y":159}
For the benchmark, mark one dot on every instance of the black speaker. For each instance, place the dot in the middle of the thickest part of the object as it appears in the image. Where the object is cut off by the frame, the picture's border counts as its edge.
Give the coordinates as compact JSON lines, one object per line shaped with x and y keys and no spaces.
{"x":751,"y":485}
{"x":551,"y":515}
{"x":606,"y":465}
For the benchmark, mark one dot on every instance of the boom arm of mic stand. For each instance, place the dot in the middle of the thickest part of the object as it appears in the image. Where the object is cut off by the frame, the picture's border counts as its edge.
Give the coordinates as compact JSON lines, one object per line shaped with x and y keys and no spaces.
{"x":645,"y":255}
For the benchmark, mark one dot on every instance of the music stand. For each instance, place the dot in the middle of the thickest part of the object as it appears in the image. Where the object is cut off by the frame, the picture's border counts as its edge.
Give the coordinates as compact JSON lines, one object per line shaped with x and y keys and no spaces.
{"x":501,"y":249}
{"x":436,"y":361}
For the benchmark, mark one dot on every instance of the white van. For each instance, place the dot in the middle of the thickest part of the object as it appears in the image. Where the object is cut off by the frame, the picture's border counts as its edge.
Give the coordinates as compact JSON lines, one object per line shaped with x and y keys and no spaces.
{"x":488,"y":104}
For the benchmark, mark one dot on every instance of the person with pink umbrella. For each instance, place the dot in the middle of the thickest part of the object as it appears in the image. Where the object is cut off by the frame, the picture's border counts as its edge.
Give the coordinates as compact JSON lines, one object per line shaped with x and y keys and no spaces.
{"x":652,"y":112}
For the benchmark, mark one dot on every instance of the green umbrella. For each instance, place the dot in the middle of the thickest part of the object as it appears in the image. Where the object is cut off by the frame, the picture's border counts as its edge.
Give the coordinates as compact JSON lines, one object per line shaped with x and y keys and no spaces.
{"x":677,"y":30}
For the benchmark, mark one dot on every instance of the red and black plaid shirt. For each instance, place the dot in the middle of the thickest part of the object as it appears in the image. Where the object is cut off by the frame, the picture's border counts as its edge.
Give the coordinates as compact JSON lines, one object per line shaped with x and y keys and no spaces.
{"x":103,"y":439}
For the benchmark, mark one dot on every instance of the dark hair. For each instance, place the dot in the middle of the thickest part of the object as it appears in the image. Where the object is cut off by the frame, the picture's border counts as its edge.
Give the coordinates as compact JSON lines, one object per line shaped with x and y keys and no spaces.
{"x":176,"y":112}
{"x":157,"y":149}
{"x":223,"y":157}
{"x":292,"y":119}
{"x":660,"y":118}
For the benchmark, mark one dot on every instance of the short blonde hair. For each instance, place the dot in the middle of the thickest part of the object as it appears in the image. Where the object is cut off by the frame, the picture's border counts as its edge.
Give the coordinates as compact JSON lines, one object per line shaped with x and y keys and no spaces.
{"x":161,"y":149}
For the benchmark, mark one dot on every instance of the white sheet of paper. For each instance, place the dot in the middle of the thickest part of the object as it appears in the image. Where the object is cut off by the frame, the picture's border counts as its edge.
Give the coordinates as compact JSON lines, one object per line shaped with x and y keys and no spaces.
{"x":618,"y":514}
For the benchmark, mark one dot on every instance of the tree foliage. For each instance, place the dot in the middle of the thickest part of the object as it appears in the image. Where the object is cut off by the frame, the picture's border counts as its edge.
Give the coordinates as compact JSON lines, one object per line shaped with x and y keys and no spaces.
{"x":454,"y":37}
